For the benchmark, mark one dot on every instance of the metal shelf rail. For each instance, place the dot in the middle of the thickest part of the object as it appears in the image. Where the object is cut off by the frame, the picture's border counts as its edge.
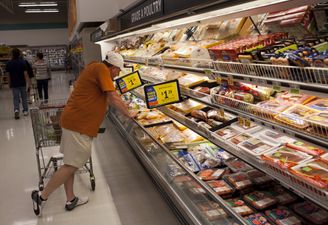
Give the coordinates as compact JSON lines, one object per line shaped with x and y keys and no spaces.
{"x":307,"y":78}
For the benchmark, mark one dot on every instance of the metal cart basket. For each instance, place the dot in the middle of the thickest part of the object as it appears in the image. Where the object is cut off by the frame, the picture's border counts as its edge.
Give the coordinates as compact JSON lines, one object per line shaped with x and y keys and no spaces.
{"x":47,"y":135}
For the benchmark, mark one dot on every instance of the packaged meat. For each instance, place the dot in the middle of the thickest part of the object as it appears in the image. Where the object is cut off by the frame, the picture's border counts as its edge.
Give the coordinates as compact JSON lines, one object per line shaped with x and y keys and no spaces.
{"x":180,"y":126}
{"x":206,"y":125}
{"x":227,"y":132}
{"x":240,"y":181}
{"x":283,"y":216}
{"x":219,"y":115}
{"x":189,"y":80}
{"x":257,"y":219}
{"x":319,"y":121}
{"x":313,"y":171}
{"x":275,"y":137}
{"x":190,"y":136}
{"x":243,"y":96}
{"x":295,"y":116}
{"x":213,"y":123}
{"x":319,"y":104}
{"x":295,"y":98}
{"x":260,"y":199}
{"x":221,"y":154}
{"x":201,"y":89}
{"x":187,"y":106}
{"x":212,"y":210}
{"x":220,"y":187}
{"x":249,"y":128}
{"x":285,"y":157}
{"x":282,"y":195}
{"x":191,"y":163}
{"x":240,"y":138}
{"x":211,"y":174}
{"x":258,"y":178}
{"x":256,"y":146}
{"x":238,"y":166}
{"x":239,"y":206}
{"x":324,"y":157}
{"x":199,"y":114}
{"x":307,"y":148}
{"x":195,"y":188}
{"x":271,"y":108}
{"x":312,"y":213}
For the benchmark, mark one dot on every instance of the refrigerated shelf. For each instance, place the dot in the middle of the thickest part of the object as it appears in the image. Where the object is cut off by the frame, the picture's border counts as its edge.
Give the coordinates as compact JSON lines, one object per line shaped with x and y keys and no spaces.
{"x":302,"y":188}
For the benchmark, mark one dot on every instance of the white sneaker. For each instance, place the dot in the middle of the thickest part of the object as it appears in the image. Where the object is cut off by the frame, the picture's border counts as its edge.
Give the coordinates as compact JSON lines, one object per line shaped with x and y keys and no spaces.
{"x":25,"y":113}
{"x":76,"y":202}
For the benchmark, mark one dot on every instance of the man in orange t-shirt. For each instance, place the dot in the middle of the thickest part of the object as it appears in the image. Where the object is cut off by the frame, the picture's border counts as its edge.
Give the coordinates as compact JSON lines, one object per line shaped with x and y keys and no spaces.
{"x":84,"y":112}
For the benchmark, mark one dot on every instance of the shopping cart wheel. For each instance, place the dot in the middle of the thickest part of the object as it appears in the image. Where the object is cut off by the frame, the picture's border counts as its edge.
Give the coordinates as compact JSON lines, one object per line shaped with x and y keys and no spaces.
{"x":41,"y":186}
{"x":93,"y":182}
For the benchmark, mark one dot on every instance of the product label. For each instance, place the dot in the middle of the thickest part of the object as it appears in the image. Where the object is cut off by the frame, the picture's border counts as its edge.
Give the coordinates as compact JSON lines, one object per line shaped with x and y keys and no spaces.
{"x":264,"y":202}
{"x":162,"y":94}
{"x":129,"y":82}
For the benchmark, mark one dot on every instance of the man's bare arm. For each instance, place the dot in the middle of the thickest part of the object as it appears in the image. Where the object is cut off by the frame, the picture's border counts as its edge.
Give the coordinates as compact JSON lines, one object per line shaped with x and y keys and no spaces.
{"x":113,"y":99}
{"x":27,"y":79}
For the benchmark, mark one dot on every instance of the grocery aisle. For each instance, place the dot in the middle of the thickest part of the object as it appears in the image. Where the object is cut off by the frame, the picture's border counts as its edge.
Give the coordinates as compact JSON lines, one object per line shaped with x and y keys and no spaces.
{"x":124,"y":192}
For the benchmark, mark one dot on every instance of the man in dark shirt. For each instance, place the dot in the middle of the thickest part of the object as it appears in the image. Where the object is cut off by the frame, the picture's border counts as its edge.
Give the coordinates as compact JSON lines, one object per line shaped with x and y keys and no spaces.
{"x":18,"y":78}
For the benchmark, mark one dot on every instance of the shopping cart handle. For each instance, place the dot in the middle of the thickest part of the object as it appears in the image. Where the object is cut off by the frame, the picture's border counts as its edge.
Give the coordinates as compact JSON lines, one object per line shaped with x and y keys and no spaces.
{"x":101,"y":130}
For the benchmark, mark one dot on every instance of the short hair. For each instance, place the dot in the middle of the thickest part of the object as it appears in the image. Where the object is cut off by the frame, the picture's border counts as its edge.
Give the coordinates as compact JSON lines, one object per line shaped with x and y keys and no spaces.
{"x":16,"y":53}
{"x":40,"y":55}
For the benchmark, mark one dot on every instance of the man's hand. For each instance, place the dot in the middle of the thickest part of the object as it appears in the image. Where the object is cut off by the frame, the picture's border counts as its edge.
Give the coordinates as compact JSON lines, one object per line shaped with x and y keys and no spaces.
{"x":133,"y":114}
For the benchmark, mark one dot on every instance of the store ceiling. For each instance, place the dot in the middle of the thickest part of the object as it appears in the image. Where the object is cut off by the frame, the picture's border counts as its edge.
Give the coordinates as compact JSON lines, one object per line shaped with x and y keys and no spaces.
{"x":14,"y":17}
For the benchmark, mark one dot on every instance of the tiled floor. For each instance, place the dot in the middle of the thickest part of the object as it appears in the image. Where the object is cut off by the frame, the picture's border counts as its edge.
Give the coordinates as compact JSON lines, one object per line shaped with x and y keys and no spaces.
{"x":124,"y":192}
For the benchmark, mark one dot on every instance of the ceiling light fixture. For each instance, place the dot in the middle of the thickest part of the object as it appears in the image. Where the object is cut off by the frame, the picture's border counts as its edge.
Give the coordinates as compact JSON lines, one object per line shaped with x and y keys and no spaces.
{"x":41,"y":11}
{"x":37,"y":4}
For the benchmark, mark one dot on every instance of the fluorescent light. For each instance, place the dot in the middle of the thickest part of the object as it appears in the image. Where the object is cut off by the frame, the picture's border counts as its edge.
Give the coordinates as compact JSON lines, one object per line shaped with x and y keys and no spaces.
{"x":41,"y":11}
{"x":37,"y":4}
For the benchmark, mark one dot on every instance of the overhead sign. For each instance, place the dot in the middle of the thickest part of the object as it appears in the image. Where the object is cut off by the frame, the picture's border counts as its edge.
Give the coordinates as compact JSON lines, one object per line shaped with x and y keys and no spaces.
{"x":129,"y":82}
{"x":145,"y":12}
{"x":162,"y":94}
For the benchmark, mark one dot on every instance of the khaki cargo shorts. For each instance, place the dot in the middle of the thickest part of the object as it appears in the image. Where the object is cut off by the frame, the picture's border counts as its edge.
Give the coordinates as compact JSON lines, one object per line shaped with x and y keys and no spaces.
{"x":76,"y":148}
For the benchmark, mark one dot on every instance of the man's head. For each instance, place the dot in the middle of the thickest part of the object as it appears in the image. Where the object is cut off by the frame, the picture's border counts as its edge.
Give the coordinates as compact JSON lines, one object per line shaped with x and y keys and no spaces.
{"x":115,"y":63}
{"x":15,"y":53}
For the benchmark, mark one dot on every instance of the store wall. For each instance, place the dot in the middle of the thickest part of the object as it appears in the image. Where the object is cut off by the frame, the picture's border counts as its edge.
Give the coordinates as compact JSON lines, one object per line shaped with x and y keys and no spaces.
{"x":34,"y":37}
{"x":91,"y":51}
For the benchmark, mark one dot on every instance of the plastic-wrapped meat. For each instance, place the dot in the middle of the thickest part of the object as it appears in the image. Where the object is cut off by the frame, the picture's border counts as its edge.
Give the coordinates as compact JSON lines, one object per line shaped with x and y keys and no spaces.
{"x":199,"y":114}
{"x":205,"y":90}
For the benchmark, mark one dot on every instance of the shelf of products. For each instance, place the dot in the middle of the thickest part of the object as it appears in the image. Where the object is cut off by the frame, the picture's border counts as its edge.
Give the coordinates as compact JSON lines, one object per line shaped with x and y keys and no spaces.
{"x":256,"y":87}
{"x":246,"y":189}
{"x":54,"y":55}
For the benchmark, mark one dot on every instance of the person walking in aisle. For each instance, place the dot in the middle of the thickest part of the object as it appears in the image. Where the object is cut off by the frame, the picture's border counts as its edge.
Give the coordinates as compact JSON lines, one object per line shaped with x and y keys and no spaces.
{"x":30,"y":75}
{"x":18,"y":78}
{"x":85,"y":110}
{"x":42,"y":76}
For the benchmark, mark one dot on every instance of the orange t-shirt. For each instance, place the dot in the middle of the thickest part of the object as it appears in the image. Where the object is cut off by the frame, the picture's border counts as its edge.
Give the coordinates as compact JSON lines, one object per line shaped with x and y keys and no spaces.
{"x":87,"y":105}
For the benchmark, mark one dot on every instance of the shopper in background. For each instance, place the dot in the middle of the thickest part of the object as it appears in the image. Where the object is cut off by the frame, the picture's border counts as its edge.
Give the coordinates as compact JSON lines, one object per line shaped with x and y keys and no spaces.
{"x":84,"y":112}
{"x":18,"y":78}
{"x":30,"y":75}
{"x":42,"y":76}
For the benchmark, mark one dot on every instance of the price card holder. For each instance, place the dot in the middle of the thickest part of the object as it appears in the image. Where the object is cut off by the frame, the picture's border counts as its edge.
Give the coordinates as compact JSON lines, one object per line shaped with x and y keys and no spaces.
{"x":295,"y":89}
{"x":129,"y":82}
{"x":276,"y":86}
{"x":230,"y":80}
{"x":161,"y":94}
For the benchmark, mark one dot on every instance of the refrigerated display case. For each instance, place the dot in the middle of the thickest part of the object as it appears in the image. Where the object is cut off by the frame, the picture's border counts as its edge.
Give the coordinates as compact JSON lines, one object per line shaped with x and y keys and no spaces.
{"x":263,"y":96}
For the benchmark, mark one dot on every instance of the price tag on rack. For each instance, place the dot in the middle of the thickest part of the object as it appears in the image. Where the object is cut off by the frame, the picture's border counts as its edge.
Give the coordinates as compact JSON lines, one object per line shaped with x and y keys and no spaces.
{"x":295,"y":89}
{"x":247,"y":123}
{"x":230,"y":80}
{"x":241,"y":121}
{"x":276,"y":86}
{"x":129,"y":82}
{"x":162,"y":94}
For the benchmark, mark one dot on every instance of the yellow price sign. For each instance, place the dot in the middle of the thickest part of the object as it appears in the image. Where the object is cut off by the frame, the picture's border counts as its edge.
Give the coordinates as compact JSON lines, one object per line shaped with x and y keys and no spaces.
{"x":162,"y":94}
{"x":129,"y":82}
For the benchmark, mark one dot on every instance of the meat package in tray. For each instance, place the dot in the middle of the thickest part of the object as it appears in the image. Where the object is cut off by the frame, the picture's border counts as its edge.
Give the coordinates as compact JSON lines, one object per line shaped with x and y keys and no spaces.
{"x":221,"y":188}
{"x":212,"y":210}
{"x":283,"y":216}
{"x":257,"y":219}
{"x":239,"y":181}
{"x":260,"y":200}
{"x":312,"y":213}
{"x":314,"y":171}
{"x":240,"y":206}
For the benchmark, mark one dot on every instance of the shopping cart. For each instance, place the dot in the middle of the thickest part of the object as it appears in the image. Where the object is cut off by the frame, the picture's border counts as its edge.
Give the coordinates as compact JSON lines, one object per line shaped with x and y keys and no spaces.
{"x":47,"y":135}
